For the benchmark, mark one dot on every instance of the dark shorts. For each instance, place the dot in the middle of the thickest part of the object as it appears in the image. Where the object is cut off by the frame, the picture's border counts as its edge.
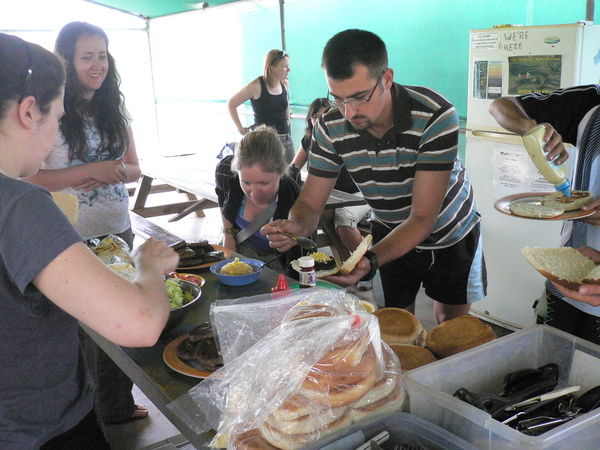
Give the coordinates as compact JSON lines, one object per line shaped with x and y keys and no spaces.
{"x":455,"y":275}
{"x":87,"y":434}
{"x":566,"y":317}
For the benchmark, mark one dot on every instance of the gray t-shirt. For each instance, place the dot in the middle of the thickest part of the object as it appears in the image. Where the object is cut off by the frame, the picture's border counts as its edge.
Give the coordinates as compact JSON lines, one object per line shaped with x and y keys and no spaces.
{"x":45,"y":387}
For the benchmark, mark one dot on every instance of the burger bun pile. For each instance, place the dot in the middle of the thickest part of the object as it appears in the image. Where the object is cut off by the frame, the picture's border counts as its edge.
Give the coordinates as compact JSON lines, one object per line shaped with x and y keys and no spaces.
{"x":357,"y":377}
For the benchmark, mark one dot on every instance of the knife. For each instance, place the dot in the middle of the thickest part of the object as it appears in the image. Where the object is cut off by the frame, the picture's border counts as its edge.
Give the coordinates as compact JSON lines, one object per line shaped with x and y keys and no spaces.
{"x":540,"y":398}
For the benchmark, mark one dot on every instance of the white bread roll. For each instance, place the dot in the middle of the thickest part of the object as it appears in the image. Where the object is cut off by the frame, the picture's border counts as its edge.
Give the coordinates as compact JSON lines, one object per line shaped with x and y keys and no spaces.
{"x":563,"y":265}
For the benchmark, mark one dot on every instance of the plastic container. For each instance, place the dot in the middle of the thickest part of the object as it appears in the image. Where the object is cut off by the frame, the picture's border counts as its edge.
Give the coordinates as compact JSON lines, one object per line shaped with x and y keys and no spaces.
{"x":557,"y":175}
{"x":404,"y":429}
{"x":482,"y":369}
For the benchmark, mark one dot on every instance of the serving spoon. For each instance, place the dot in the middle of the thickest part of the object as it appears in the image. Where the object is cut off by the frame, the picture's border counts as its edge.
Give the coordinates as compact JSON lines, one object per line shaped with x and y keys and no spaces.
{"x":303,"y":242}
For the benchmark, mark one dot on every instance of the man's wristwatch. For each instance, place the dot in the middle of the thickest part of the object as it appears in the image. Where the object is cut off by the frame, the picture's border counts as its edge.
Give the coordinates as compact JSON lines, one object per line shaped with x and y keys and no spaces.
{"x":372,"y":257}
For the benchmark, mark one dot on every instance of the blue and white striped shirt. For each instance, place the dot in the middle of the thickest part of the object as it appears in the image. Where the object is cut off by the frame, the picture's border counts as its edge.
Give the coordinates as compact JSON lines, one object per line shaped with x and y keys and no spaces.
{"x":424,"y":137}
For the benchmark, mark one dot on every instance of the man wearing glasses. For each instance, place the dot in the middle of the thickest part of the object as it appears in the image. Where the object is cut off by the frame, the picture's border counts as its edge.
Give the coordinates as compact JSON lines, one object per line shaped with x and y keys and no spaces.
{"x":400,"y":145}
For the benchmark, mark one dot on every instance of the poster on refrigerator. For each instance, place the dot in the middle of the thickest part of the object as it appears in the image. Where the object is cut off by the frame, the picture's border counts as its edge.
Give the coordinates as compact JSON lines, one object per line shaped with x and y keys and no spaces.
{"x":534,"y":73}
{"x":487,"y":79}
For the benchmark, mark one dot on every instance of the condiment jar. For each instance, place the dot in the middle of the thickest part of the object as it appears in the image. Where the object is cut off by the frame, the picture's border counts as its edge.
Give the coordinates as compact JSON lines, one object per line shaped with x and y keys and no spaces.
{"x":308,"y":277}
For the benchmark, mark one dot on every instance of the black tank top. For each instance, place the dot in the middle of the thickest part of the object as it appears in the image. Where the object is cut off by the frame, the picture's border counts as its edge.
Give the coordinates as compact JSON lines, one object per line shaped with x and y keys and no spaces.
{"x":271,"y":109}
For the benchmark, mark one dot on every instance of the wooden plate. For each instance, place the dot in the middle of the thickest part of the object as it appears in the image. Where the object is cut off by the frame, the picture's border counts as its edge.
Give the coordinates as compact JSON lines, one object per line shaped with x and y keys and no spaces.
{"x":226,"y":254}
{"x":503,"y":205}
{"x":186,"y":367}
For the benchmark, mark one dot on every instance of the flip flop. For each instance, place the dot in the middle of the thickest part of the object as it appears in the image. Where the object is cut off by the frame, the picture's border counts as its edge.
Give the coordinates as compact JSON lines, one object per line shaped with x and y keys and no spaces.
{"x":138,"y":413}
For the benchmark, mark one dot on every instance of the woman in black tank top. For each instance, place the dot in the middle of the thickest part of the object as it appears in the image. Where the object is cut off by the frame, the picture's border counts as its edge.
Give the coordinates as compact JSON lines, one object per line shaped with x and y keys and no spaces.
{"x":269,"y":97}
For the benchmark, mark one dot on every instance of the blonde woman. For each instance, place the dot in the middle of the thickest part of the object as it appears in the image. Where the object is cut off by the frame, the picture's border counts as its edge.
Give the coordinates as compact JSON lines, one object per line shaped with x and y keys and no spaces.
{"x":269,"y":96}
{"x":247,"y":183}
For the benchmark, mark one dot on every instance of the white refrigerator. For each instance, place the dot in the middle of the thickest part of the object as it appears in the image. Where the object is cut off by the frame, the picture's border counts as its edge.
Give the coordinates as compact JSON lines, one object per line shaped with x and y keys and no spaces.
{"x":515,"y":60}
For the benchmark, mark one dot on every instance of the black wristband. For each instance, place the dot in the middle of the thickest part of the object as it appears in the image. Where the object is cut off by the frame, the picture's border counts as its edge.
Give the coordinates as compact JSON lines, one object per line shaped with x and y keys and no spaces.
{"x":372,"y":257}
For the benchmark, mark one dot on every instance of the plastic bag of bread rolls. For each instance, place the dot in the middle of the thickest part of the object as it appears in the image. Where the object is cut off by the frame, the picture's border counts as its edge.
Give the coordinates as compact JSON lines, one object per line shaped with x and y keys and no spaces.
{"x":323,"y":368}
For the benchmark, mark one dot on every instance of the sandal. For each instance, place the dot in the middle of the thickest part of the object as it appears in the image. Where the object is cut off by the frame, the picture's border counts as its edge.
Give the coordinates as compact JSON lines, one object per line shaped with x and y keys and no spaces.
{"x":138,"y":413}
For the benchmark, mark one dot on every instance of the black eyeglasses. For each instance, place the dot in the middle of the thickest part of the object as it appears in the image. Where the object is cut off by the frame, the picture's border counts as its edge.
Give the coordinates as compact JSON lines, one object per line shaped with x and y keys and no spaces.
{"x":28,"y":75}
{"x":280,"y":55}
{"x":355,"y":102}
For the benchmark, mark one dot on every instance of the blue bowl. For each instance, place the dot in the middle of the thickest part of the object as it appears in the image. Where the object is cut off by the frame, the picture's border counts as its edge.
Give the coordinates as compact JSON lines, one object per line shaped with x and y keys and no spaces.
{"x":238,"y":280}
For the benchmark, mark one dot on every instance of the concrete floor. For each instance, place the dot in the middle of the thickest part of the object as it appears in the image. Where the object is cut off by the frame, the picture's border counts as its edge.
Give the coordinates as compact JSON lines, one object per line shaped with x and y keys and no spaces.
{"x":156,"y":432}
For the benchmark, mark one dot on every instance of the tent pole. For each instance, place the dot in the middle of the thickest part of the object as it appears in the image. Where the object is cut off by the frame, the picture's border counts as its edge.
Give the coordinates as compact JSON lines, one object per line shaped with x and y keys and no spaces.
{"x":589,"y":10}
{"x":282,"y":22}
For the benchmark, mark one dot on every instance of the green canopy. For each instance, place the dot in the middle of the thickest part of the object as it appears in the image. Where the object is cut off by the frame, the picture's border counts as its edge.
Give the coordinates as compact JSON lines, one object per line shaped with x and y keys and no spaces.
{"x":158,"y":8}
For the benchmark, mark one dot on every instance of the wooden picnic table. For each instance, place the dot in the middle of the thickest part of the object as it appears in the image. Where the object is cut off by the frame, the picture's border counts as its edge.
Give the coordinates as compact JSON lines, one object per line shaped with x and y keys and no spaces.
{"x":194,"y":176}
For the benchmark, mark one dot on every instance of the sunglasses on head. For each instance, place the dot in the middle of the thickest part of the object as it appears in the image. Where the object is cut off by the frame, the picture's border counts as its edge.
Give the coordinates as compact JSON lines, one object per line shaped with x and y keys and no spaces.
{"x":280,"y":55}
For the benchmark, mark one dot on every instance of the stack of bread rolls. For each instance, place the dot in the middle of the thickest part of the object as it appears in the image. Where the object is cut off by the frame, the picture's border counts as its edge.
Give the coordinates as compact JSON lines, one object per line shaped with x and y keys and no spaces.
{"x":358,"y":377}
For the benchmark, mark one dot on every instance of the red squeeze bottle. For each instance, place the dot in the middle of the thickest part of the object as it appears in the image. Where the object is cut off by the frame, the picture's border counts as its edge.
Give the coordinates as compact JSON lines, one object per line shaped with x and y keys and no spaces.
{"x":281,"y":284}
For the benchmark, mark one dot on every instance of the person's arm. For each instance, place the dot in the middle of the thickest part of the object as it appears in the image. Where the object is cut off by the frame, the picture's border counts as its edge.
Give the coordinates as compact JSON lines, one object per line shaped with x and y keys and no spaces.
{"x":588,"y":293}
{"x":127,"y":313}
{"x":229,"y":241}
{"x":301,"y":158}
{"x":286,"y":83}
{"x":429,"y":191}
{"x":251,"y":90}
{"x":304,"y":215}
{"x":132,"y":170}
{"x":511,"y":116}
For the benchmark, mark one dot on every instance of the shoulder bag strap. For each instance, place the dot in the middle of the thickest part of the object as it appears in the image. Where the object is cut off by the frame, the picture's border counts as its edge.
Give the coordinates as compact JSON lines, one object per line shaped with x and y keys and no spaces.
{"x":258,"y":222}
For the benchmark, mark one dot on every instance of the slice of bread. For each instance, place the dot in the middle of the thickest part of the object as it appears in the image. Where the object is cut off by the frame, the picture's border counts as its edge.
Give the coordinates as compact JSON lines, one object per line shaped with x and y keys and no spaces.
{"x":564,"y":265}
{"x":535,"y":210}
{"x":575,"y":201}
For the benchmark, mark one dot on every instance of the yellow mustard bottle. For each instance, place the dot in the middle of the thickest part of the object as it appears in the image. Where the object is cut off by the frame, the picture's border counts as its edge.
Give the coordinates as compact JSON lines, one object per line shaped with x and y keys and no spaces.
{"x":556,"y":175}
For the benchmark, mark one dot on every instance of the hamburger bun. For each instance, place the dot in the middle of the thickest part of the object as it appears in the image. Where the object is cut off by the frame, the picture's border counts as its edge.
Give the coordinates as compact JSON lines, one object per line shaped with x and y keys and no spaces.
{"x":535,"y":210}
{"x":575,"y":201}
{"x":356,"y":255}
{"x":348,"y":265}
{"x":412,"y":356}
{"x":457,"y":335}
{"x":398,"y":326}
{"x":563,"y":265}
{"x":293,"y":441}
{"x":251,"y":440}
{"x":393,"y":402}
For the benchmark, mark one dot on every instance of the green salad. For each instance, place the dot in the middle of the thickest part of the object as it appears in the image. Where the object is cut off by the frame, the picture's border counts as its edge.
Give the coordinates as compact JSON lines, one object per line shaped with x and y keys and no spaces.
{"x":177,"y":297}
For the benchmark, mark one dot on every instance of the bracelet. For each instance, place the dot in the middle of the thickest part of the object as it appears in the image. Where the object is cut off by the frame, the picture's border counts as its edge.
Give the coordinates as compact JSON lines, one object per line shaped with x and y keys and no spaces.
{"x":231,"y":231}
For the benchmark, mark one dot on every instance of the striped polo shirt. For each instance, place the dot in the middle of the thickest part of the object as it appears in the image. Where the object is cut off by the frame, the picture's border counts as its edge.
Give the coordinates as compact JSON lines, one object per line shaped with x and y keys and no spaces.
{"x":424,"y":137}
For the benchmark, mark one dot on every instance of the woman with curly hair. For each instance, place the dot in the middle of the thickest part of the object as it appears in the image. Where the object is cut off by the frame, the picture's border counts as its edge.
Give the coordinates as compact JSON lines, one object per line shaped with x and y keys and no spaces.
{"x":93,"y":157}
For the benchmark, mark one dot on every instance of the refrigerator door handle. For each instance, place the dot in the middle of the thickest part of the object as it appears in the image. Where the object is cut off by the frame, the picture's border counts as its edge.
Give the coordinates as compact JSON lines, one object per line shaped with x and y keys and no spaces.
{"x":491,"y":134}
